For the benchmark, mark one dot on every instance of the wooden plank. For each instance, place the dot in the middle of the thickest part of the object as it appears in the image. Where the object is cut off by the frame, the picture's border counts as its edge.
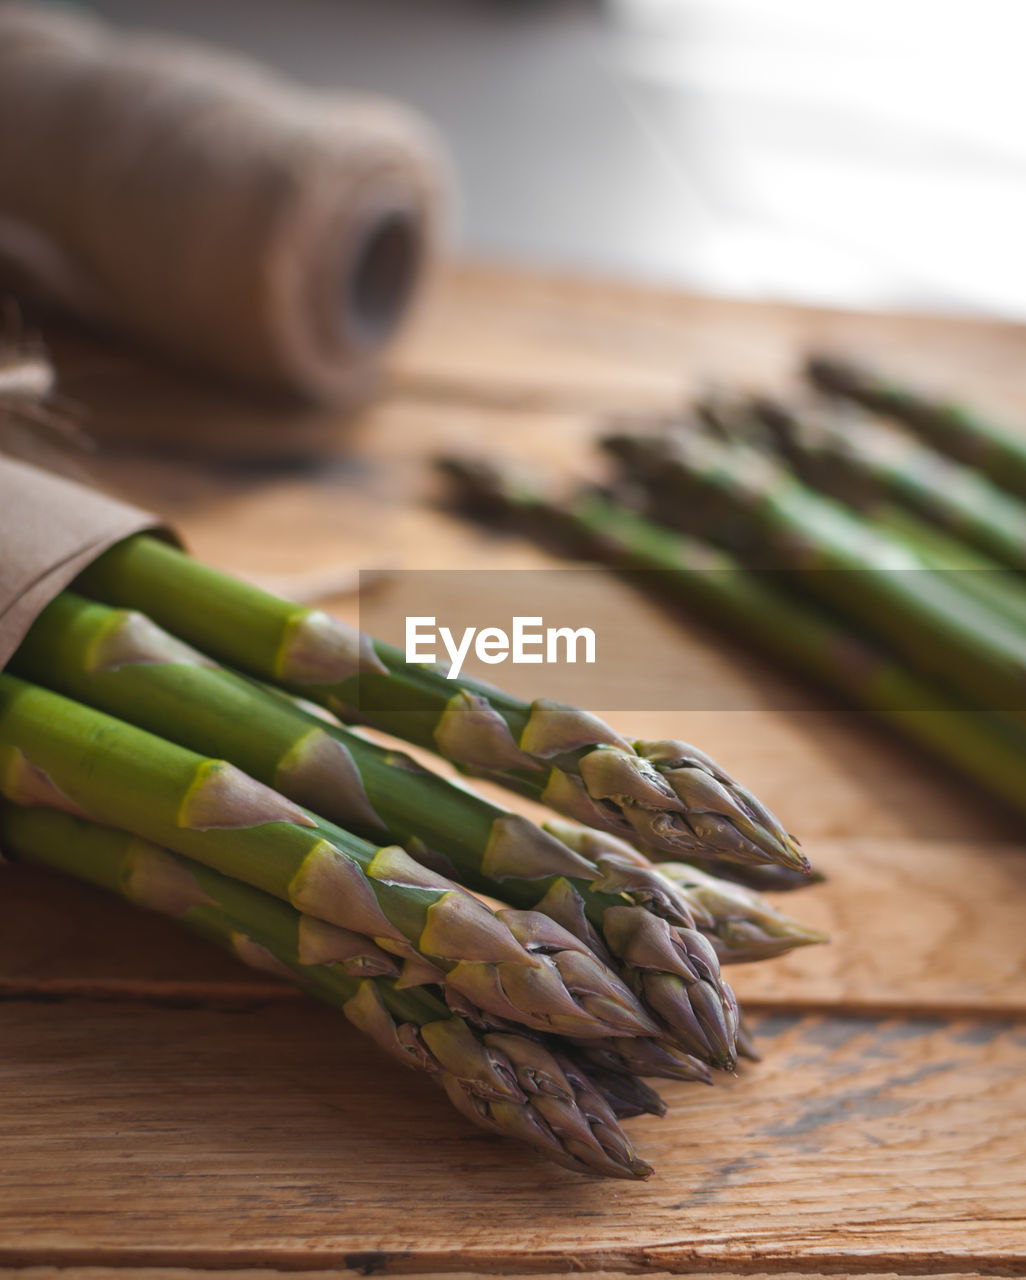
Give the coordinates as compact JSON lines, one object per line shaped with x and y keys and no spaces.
{"x":189,"y":1115}
{"x":914,"y":925}
{"x":190,"y":1138}
{"x":193,"y":1273}
{"x":540,"y":341}
{"x":490,"y":337}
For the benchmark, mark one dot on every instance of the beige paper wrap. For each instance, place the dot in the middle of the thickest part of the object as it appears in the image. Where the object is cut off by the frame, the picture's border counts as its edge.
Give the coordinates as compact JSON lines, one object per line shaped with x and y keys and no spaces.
{"x":51,"y":529}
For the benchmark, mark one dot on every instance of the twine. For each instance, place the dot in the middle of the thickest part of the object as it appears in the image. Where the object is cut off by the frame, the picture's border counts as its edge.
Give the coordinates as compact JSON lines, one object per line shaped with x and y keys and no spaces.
{"x":197,"y":202}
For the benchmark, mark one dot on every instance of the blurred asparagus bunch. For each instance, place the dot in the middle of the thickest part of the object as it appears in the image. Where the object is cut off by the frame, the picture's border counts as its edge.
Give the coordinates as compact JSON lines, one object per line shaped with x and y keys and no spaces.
{"x":869,"y":536}
{"x":536,"y":974}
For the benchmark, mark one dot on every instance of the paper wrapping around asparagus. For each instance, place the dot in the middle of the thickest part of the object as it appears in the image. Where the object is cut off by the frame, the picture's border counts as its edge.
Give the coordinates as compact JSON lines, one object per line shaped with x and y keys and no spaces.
{"x":52,"y":529}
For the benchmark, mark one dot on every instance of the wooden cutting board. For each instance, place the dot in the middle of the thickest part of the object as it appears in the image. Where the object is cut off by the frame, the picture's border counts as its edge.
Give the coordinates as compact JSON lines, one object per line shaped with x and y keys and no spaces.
{"x":164,"y":1112}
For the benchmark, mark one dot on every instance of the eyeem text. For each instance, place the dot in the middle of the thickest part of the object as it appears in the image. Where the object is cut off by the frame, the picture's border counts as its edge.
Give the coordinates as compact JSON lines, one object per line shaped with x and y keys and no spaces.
{"x":529,"y":641}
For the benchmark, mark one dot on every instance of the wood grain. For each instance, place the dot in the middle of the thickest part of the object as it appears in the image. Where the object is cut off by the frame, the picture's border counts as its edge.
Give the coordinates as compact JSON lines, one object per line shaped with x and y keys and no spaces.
{"x":264,"y":1273}
{"x":195,"y":1138}
{"x":925,"y":926}
{"x":165,"y":1113}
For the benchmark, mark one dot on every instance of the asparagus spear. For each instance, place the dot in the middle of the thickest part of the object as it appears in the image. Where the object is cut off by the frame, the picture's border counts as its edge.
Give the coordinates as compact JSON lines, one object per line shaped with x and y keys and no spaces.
{"x":120,"y":663}
{"x":502,"y":1081}
{"x":747,"y":926}
{"x":875,"y":461}
{"x":798,"y":633}
{"x":624,"y":1094}
{"x":741,"y":925}
{"x":742,"y":499}
{"x":968,"y":437}
{"x":643,"y":1057}
{"x":669,"y":794}
{"x":515,"y":965}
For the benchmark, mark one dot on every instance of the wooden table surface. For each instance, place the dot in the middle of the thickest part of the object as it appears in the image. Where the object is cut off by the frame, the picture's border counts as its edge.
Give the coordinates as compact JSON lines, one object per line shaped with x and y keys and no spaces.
{"x":164,"y":1112}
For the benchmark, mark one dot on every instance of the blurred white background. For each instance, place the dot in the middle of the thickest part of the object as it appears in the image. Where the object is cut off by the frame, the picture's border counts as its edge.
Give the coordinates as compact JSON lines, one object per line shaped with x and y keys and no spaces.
{"x":869,"y":154}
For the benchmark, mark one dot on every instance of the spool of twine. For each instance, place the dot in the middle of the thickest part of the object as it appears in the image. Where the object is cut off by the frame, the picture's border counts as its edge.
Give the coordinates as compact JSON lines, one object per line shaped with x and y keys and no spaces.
{"x":200,"y":204}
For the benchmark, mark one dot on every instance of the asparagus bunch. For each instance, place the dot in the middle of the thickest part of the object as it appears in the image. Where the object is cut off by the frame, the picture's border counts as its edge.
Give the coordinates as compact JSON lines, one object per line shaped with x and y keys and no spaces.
{"x":753,"y":605}
{"x":952,"y":429}
{"x":513,"y":965}
{"x":950,"y":517}
{"x":744,"y":500}
{"x":612,"y":900}
{"x":501,"y":1079}
{"x":667,"y":794}
{"x":599,"y":964}
{"x":896,"y":570}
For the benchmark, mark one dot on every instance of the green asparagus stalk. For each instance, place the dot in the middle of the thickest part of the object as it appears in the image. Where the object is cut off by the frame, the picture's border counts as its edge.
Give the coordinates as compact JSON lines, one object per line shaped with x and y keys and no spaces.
{"x":968,"y":437}
{"x":742,"y":499}
{"x":503,"y":1081}
{"x":874,"y":461}
{"x":669,"y":794}
{"x":997,"y":588}
{"x":120,"y":663}
{"x":515,"y":965}
{"x":913,"y":495}
{"x":752,"y":605}
{"x":741,"y":925}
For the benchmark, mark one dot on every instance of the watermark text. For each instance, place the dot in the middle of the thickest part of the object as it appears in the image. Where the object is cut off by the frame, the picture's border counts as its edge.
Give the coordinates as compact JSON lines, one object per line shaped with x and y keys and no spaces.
{"x":528,"y":641}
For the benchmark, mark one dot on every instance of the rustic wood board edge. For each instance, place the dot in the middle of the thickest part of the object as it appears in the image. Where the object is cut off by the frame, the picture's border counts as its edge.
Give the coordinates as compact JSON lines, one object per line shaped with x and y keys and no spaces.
{"x":300,"y":1266}
{"x":245,"y":997}
{"x":59,"y":1272}
{"x":73,"y":1272}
